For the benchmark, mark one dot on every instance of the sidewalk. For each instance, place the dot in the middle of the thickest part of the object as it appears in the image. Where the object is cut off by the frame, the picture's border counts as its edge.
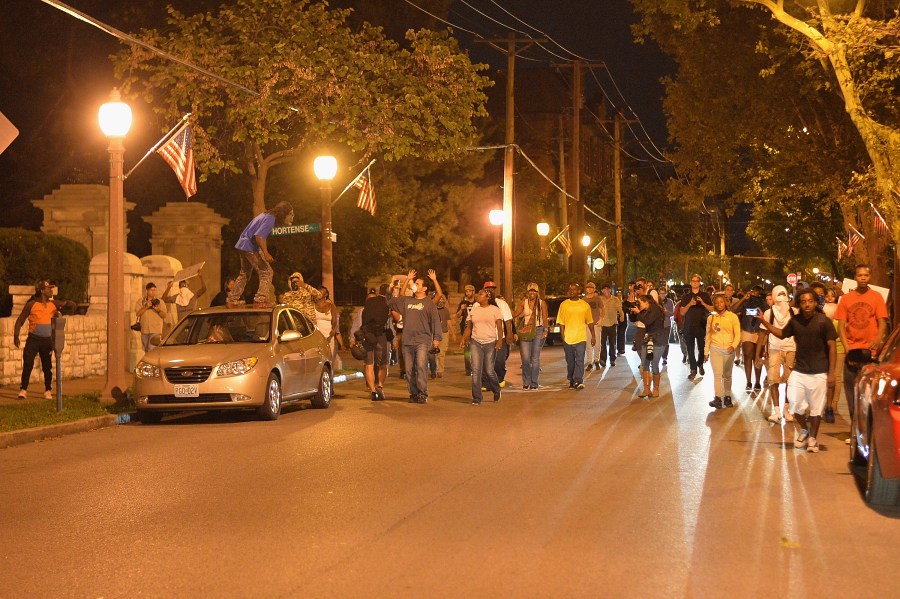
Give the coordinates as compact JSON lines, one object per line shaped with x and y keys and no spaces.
{"x":36,"y":390}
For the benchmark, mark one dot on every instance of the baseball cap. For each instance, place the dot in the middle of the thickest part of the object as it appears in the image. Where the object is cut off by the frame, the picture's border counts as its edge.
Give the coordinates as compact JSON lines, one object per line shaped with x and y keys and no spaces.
{"x":470,"y":287}
{"x":490,"y":285}
{"x":532,"y":287}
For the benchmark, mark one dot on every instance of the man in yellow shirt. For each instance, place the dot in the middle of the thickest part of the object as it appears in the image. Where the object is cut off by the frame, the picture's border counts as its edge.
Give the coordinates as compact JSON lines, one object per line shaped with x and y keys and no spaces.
{"x":575,"y":320}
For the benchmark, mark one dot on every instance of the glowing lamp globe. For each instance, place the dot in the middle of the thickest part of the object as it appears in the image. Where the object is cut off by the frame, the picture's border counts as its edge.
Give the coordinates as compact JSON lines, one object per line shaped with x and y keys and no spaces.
{"x":115,"y":116}
{"x":325,"y":167}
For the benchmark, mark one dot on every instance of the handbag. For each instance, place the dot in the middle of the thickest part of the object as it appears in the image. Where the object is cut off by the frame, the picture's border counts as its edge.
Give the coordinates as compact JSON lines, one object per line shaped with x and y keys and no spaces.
{"x":525,"y":330}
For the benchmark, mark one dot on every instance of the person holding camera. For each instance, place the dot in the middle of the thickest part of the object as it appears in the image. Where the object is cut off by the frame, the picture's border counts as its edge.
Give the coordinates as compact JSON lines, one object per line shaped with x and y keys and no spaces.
{"x":696,"y":305}
{"x":750,"y":306}
{"x":151,"y":313}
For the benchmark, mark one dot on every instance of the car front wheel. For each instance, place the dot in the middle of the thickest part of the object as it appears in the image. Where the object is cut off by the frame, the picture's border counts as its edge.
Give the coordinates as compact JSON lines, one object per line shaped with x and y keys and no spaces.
{"x":271,"y":407}
{"x":322,"y":398}
{"x":880,"y":490}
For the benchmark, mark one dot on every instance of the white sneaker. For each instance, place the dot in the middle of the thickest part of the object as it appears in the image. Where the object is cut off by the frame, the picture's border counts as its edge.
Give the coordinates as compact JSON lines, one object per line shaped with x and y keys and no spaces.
{"x":788,"y":416}
{"x":48,"y":395}
{"x":775,"y":416}
{"x":22,"y":394}
{"x":812,"y":446}
{"x":801,"y":438}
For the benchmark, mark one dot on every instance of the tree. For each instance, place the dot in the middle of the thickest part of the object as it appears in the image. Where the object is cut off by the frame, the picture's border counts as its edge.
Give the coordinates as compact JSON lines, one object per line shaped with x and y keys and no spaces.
{"x":318,"y":82}
{"x":855,"y":42}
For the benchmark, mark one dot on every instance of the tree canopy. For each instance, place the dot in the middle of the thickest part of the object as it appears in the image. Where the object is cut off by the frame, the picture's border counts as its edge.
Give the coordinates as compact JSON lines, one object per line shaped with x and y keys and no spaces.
{"x":319,"y":82}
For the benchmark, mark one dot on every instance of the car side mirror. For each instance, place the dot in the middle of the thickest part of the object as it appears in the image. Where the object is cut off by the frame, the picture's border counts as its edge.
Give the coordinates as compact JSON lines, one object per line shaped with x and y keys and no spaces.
{"x":155,"y":340}
{"x":289,"y":336}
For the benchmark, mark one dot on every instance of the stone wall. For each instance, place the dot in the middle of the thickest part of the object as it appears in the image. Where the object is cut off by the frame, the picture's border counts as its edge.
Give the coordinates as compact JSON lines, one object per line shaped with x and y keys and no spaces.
{"x":83,"y":356}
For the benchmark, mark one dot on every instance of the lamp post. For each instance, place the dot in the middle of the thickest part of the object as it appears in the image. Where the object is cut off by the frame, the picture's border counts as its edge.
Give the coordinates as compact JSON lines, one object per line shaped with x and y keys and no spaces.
{"x":325,"y":168}
{"x":543,"y":229}
{"x":721,"y":280}
{"x":496,"y":217}
{"x":115,"y":121}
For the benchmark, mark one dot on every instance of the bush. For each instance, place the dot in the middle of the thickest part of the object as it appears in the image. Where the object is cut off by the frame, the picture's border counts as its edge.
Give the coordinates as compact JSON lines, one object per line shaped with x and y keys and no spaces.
{"x":27,"y":256}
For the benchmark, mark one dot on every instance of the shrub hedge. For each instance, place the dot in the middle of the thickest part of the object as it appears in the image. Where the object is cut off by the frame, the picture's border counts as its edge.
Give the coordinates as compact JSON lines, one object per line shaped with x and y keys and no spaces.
{"x":27,"y":256}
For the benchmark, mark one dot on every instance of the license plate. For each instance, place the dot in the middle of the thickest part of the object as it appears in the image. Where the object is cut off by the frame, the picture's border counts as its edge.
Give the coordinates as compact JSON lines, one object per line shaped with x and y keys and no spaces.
{"x":187,"y":390}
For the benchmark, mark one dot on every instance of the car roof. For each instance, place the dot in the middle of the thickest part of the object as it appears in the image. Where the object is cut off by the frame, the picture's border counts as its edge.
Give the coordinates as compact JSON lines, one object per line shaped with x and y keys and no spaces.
{"x":237,"y":310}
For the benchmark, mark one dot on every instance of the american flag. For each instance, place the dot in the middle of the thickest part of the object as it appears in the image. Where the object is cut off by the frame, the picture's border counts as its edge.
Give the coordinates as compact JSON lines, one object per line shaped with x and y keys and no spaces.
{"x":841,"y":248}
{"x":366,"y":199}
{"x":566,"y":243}
{"x":855,"y":237}
{"x":879,"y":224}
{"x":178,"y":152}
{"x":604,"y":253}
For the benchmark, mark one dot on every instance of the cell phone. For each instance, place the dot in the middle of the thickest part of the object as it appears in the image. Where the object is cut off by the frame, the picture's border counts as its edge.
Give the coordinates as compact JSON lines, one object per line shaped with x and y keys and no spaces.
{"x":751,"y":311}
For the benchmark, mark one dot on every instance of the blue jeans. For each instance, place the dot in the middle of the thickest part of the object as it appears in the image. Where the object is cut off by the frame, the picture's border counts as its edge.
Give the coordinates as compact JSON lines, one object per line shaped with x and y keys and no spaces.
{"x":531,"y":358}
{"x":483,"y":368}
{"x":651,"y":364}
{"x":415,"y":361}
{"x":575,"y":361}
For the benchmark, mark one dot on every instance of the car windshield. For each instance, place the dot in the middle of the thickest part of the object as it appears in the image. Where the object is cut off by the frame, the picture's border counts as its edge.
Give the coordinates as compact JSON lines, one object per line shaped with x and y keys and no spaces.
{"x":247,"y":327}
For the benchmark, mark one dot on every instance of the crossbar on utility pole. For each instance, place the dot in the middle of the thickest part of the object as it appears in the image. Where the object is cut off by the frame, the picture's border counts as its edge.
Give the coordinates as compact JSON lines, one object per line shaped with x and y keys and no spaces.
{"x":511,"y":50}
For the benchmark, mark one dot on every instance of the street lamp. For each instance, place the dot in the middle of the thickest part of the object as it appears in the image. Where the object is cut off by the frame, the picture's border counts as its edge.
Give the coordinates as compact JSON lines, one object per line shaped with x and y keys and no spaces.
{"x":496,"y":218}
{"x":722,"y":280}
{"x":325,"y":168}
{"x":115,"y":121}
{"x":543,"y":229}
{"x":586,"y":240}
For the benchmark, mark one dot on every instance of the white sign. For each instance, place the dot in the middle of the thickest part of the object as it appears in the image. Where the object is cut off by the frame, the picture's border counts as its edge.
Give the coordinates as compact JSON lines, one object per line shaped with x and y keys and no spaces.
{"x":186,"y":273}
{"x":792,"y":278}
{"x":848,"y":285}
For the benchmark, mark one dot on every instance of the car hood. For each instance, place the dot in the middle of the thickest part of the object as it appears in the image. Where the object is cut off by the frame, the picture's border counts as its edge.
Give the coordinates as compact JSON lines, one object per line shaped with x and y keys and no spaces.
{"x":205,"y":354}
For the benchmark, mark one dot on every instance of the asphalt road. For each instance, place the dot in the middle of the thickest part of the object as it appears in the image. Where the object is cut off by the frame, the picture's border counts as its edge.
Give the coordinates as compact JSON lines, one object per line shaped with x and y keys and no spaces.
{"x":548,"y":493}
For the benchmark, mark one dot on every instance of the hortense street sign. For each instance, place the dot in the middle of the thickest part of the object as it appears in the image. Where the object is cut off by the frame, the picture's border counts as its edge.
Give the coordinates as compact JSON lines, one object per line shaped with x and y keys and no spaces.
{"x":294,"y":229}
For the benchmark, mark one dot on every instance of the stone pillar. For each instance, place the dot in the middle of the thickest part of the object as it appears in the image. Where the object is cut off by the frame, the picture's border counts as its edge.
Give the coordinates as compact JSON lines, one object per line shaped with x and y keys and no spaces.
{"x":80,"y":212}
{"x":134,"y":286}
{"x":192,"y":233}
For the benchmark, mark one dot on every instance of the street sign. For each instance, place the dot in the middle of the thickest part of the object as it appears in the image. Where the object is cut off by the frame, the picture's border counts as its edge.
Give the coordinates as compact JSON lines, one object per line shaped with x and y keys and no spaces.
{"x":294,"y":229}
{"x":792,"y":278}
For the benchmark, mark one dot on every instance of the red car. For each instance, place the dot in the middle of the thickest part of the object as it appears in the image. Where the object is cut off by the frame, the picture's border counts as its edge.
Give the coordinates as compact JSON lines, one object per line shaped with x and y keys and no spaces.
{"x":875,"y":429}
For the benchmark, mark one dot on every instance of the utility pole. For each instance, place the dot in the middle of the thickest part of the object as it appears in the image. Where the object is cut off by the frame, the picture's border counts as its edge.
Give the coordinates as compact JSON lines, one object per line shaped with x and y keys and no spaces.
{"x":509,"y":154}
{"x":617,"y":192}
{"x":578,"y":230}
{"x":563,"y":200}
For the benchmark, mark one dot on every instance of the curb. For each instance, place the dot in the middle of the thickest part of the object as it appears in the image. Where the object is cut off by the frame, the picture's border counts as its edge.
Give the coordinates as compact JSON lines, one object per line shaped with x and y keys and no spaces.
{"x":29,"y":435}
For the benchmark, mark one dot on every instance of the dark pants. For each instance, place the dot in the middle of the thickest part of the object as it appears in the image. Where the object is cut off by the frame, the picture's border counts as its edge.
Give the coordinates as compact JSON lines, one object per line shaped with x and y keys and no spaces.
{"x":608,"y":337}
{"x":854,"y":360}
{"x":37,"y":346}
{"x":620,"y":336}
{"x":692,"y":338}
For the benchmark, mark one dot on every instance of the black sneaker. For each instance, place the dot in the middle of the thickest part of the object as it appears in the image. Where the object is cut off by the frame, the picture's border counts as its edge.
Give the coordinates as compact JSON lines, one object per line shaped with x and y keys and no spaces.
{"x":684,"y":360}
{"x":497,"y":396}
{"x":601,"y":365}
{"x":413,"y":399}
{"x":422,"y":398}
{"x":374,"y":396}
{"x":700,"y":370}
{"x":578,"y":386}
{"x":728,"y":403}
{"x":692,"y":375}
{"x":476,"y":402}
{"x":757,"y":388}
{"x":749,"y":387}
{"x":589,"y":367}
{"x":612,"y":363}
{"x":571,"y":384}
{"x":716,"y":403}
{"x":829,"y":415}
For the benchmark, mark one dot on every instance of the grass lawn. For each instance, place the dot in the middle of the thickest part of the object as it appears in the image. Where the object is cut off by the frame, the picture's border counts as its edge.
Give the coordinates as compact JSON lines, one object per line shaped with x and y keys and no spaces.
{"x":41,"y":413}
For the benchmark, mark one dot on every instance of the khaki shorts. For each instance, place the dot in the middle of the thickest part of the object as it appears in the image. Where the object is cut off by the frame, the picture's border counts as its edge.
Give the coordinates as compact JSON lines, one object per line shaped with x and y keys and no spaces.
{"x":779,"y":366}
{"x":747,"y":337}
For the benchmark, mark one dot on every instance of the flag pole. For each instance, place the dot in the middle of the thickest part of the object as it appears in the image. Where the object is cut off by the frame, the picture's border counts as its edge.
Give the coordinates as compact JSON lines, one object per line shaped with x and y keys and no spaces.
{"x":558,"y":235}
{"x":172,"y":132}
{"x":352,"y":183}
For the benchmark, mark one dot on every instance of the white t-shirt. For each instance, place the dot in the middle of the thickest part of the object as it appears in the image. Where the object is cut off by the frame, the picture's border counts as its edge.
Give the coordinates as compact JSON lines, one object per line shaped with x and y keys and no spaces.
{"x":776,"y":344}
{"x":484,"y":322}
{"x":504,"y":309}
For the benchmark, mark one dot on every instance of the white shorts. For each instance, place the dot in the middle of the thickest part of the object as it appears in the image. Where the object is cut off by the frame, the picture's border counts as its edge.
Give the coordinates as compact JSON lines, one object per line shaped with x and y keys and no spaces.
{"x":807,"y":391}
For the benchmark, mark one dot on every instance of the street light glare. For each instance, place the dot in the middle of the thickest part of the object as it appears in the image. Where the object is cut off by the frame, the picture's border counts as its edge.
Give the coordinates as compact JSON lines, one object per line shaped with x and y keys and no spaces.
{"x":115,"y":116}
{"x":543,"y":229}
{"x":496,"y":217}
{"x":325,"y":167}
{"x":586,"y":240}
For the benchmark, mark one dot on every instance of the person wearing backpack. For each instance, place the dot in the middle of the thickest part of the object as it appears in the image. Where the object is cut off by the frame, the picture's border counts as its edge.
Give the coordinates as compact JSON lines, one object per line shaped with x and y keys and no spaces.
{"x":531,"y":332}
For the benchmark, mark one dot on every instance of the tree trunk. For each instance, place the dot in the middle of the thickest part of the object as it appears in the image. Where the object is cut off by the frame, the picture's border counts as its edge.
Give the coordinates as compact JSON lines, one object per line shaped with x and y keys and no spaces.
{"x":258,"y":183}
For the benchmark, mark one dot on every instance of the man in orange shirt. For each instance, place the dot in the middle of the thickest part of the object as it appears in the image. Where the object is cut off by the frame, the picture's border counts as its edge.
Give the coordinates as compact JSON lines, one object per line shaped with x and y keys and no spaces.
{"x":862,"y":325}
{"x":39,"y":311}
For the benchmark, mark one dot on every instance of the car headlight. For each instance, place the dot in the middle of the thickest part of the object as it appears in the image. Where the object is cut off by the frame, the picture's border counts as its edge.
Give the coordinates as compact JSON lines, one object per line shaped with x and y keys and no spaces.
{"x":145,"y":370}
{"x":237,"y":367}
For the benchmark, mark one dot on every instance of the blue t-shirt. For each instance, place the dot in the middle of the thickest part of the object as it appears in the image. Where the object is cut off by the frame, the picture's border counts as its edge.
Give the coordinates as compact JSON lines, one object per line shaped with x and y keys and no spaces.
{"x":261,"y":225}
